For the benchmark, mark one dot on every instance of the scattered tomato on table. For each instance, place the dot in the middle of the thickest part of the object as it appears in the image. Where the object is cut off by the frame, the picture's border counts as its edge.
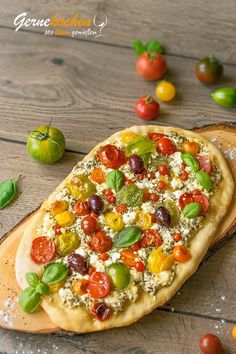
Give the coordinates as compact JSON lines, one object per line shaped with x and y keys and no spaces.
{"x":210,"y":344}
{"x":147,"y":108}
{"x":151,"y":63}
{"x":234,"y":332}
{"x":225,"y":97}
{"x":209,"y":70}
{"x":165,"y":91}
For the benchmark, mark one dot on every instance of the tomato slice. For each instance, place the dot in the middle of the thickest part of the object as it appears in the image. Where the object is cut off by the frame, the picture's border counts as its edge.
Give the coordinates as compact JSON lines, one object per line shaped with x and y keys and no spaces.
{"x":184,"y":199}
{"x":203,"y":201}
{"x":111,"y":157}
{"x":204,"y":163}
{"x":156,"y":136}
{"x":98,"y":175}
{"x":98,"y":285}
{"x":150,"y":238}
{"x":165,"y":146}
{"x":43,"y":250}
{"x":128,"y":257}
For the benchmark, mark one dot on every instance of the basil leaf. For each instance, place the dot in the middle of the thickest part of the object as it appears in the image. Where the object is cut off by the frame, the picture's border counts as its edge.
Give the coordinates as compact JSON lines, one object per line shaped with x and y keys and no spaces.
{"x":140,"y":145}
{"x":42,"y":288}
{"x":130,"y":195}
{"x":190,"y":161}
{"x":204,"y":179}
{"x":138,"y":47}
{"x":115,"y":180}
{"x":7,"y":192}
{"x":29,"y":299}
{"x":154,"y":46}
{"x":127,"y":237}
{"x":192,"y":210}
{"x":54,"y":273}
{"x":32,"y":279}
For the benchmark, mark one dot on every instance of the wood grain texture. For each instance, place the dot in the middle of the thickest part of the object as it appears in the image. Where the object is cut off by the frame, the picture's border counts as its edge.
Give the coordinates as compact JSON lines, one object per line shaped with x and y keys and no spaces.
{"x":187,"y":28}
{"x":159,"y":332}
{"x":81,"y":92}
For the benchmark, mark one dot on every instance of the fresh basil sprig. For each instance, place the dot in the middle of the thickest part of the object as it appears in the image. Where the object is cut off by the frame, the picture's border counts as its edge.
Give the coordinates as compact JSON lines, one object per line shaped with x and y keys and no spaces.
{"x":204,"y":179}
{"x":151,"y":46}
{"x":192,"y":210}
{"x":30,"y":297}
{"x":115,"y":179}
{"x":127,"y":237}
{"x":190,"y":161}
{"x":8,"y":191}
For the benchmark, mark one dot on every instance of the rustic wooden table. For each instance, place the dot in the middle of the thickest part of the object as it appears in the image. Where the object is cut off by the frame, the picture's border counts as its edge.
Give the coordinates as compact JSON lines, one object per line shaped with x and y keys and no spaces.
{"x":89,"y":88}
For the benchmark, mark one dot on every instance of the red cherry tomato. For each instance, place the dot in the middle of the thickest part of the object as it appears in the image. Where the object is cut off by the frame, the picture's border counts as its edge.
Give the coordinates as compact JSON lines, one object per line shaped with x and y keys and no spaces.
{"x":128,"y":257}
{"x":81,"y":208}
{"x":140,"y":266}
{"x":163,"y":170}
{"x":57,"y":229}
{"x":103,"y":256}
{"x":181,"y":254}
{"x":184,"y":175}
{"x":111,"y":157}
{"x":98,"y":285}
{"x":89,"y":225}
{"x":177,"y":236}
{"x":204,"y":163}
{"x":153,"y":197}
{"x":210,"y":344}
{"x":156,"y":136}
{"x":100,"y":242}
{"x":150,"y":238}
{"x":135,"y":246}
{"x":101,"y":311}
{"x":161,"y":185}
{"x":121,"y":208}
{"x":151,"y":65}
{"x":184,"y":199}
{"x":151,"y":175}
{"x":146,"y":108}
{"x":203,"y":201}
{"x":43,"y":250}
{"x":165,"y":146}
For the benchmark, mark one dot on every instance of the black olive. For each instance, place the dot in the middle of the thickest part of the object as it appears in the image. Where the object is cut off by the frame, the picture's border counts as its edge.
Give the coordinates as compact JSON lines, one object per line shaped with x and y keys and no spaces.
{"x":164,"y":217}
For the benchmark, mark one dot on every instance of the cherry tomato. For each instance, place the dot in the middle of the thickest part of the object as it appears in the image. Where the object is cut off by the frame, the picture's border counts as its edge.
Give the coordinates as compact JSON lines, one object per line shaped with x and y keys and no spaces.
{"x":184,"y":199}
{"x":101,"y":311}
{"x":190,"y":146}
{"x":163,"y":170}
{"x":150,"y":238}
{"x":196,"y":192}
{"x":135,"y":246}
{"x":203,"y":201}
{"x":234,"y":332}
{"x":111,"y":157}
{"x":209,"y":70}
{"x":151,"y":175}
{"x":94,"y":215}
{"x":128,"y":181}
{"x":161,"y":185}
{"x":81,"y":208}
{"x":128,"y":257}
{"x":154,"y":218}
{"x":181,"y":254}
{"x":151,"y":65}
{"x":79,"y":287}
{"x":100,"y":242}
{"x":108,"y":192}
{"x":143,"y":220}
{"x":159,"y":262}
{"x":156,"y":136}
{"x":57,"y":229}
{"x":114,"y":221}
{"x":127,"y":137}
{"x":184,"y":176}
{"x":210,"y":344}
{"x":89,"y":225}
{"x":121,"y":208}
{"x":91,"y":270}
{"x":153,"y":197}
{"x":98,"y":175}
{"x":111,"y":199}
{"x":146,"y":108}
{"x":103,"y":256}
{"x":204,"y":163}
{"x":177,"y":236}
{"x":140,"y":266}
{"x":98,"y":285}
{"x":43,"y":250}
{"x":165,"y":146}
{"x":165,"y":91}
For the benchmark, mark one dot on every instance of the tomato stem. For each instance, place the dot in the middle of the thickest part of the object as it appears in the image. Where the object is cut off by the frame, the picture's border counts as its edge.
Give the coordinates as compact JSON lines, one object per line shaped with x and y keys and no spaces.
{"x":149,"y":99}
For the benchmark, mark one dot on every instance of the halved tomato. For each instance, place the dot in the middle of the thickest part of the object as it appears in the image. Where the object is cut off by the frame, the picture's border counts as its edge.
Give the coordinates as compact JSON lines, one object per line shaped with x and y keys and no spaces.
{"x":98,"y":285}
{"x":128,"y":257}
{"x":43,"y":250}
{"x":156,"y":136}
{"x":203,"y":201}
{"x":204,"y":163}
{"x":111,"y":157}
{"x":184,"y":199}
{"x":165,"y":146}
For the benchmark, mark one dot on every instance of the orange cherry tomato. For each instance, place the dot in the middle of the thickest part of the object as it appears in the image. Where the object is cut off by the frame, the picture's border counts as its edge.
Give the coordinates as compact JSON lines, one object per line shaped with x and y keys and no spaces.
{"x":43,"y":250}
{"x":190,"y":146}
{"x":79,"y":287}
{"x":111,"y":157}
{"x":100,"y":242}
{"x":165,"y":146}
{"x":89,"y":225}
{"x":81,"y":208}
{"x":181,"y":254}
{"x":234,"y":332}
{"x":98,"y":285}
{"x":128,"y":257}
{"x":98,"y":175}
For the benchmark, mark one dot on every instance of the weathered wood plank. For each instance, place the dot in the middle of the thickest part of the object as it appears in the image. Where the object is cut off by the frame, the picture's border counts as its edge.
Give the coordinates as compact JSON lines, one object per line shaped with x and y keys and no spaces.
{"x":216,"y":277}
{"x":159,"y":332}
{"x":186,"y":28}
{"x":94,"y":89}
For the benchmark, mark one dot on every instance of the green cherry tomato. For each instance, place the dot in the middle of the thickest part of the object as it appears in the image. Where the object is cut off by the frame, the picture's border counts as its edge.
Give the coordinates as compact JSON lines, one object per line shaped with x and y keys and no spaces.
{"x":119,"y":275}
{"x":46,"y":144}
{"x":209,"y":70}
{"x":225,"y":97}
{"x":140,"y":145}
{"x":130,"y":195}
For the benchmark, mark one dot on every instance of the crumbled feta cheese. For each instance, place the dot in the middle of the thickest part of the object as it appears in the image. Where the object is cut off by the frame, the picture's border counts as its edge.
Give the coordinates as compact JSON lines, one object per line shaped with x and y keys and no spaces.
{"x":129,"y":217}
{"x":148,"y":207}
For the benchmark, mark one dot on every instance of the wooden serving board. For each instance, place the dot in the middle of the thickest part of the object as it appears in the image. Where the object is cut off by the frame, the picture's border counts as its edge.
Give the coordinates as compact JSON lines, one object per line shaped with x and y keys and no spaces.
{"x":11,"y":315}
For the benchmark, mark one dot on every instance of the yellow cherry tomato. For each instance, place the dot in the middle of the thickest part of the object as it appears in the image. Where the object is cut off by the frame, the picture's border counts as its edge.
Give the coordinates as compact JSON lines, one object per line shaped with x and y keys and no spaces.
{"x":67,"y":218}
{"x":190,"y":146}
{"x":114,"y":221}
{"x":58,"y":207}
{"x":81,"y":187}
{"x":165,"y":91}
{"x":234,"y":332}
{"x":79,"y":287}
{"x":54,"y":288}
{"x":67,"y":243}
{"x":127,"y":137}
{"x":159,"y":262}
{"x":143,"y":220}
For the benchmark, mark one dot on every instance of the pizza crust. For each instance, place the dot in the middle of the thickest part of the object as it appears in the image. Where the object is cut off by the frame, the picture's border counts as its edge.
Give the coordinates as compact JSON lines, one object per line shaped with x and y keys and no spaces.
{"x":78,"y":319}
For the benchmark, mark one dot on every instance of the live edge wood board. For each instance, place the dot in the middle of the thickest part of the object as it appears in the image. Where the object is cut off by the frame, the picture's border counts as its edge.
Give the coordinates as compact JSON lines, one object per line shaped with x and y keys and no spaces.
{"x":223,"y":135}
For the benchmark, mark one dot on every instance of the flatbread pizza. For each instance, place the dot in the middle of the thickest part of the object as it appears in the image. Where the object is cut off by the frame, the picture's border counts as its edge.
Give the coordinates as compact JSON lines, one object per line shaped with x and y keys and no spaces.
{"x":125,"y":229}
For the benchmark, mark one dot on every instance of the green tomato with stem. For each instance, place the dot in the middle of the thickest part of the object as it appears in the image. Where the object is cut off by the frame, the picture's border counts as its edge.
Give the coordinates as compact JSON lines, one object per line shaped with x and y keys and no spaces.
{"x":46,"y":144}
